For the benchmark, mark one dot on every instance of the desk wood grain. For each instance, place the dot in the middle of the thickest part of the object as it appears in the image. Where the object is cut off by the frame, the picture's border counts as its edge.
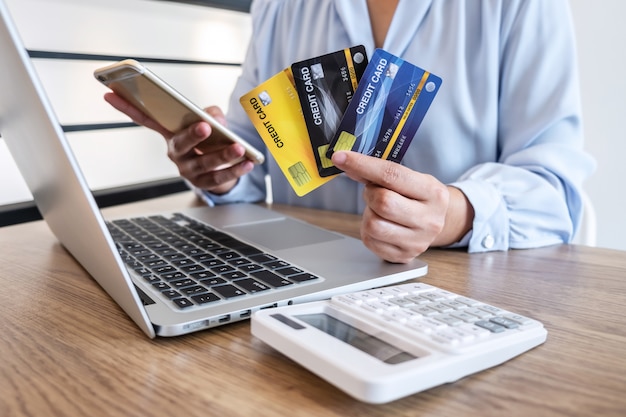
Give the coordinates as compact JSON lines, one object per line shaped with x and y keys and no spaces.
{"x":66,"y":349}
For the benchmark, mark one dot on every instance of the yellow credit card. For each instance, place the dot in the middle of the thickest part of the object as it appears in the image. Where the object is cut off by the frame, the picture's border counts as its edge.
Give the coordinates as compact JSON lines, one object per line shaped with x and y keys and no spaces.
{"x":275,"y":111}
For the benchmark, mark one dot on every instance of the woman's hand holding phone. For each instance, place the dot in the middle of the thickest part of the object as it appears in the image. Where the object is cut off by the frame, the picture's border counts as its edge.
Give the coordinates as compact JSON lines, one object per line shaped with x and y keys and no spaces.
{"x":204,"y":163}
{"x":207,"y":154}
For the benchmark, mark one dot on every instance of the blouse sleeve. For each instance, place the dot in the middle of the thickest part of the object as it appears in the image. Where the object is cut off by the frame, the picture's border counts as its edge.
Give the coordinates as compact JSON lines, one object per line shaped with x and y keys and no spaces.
{"x":531,"y":196}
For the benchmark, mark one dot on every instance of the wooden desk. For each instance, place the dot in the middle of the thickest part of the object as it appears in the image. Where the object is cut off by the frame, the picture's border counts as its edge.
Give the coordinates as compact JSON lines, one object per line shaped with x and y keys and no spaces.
{"x":66,"y":349}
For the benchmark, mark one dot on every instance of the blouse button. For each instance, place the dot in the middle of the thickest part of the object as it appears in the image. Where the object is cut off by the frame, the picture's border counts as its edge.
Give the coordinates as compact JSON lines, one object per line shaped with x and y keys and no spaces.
{"x":488,"y":242}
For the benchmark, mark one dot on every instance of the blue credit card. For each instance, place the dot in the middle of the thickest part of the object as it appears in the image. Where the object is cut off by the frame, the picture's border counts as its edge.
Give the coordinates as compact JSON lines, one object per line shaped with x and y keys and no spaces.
{"x":388,"y":107}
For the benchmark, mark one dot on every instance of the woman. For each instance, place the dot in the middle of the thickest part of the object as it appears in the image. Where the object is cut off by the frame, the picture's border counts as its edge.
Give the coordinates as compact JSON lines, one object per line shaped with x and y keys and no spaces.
{"x":498,"y":162}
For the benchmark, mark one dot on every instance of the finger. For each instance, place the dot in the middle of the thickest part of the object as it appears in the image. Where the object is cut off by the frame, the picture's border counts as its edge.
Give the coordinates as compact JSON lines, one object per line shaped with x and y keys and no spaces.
{"x":194,"y":166}
{"x":217,"y":113}
{"x":386,"y":251}
{"x":421,"y":220}
{"x":136,"y":115}
{"x":183,"y":143}
{"x":222,"y":180}
{"x":392,"y":241}
{"x":225,"y":157}
{"x":387,"y":174}
{"x":392,"y":206}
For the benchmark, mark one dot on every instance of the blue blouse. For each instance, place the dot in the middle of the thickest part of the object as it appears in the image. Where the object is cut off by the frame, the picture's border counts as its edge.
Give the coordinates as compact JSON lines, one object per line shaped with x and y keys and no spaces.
{"x":505,"y":127}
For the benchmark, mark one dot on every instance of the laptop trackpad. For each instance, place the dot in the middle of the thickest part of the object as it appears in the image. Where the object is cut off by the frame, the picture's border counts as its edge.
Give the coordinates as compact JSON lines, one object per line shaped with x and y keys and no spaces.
{"x":283,"y":234}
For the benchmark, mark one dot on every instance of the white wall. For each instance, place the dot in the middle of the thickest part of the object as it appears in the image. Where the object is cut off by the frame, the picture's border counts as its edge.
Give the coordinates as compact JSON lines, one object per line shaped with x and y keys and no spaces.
{"x":164,"y":29}
{"x":601,"y":32}
{"x":127,"y":28}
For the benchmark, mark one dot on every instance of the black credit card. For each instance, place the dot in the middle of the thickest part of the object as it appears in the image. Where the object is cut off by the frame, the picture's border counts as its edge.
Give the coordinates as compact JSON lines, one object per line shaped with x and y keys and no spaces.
{"x":325,"y":86}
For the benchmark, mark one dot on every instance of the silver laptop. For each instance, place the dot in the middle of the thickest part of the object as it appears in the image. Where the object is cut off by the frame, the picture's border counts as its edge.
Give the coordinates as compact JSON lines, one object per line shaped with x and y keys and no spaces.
{"x":223,"y":263}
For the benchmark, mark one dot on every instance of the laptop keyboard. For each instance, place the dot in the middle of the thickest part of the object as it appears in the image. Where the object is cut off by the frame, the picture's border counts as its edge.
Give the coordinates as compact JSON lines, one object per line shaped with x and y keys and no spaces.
{"x":193,"y":264}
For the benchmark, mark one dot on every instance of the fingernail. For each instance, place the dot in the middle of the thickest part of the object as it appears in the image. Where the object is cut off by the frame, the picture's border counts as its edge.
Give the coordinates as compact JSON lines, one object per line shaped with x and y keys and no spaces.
{"x":339,"y":158}
{"x":248,"y":166}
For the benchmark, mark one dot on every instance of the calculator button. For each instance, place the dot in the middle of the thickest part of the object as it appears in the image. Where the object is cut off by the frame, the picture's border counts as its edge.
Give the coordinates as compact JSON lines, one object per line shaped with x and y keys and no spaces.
{"x":482,"y":314}
{"x":400,"y":316}
{"x":449,"y":320}
{"x":436,"y":325}
{"x":468,"y":318}
{"x":454,"y":304}
{"x":424,"y":310}
{"x":445,"y":338}
{"x":493,"y":310}
{"x":372,"y":307}
{"x":445,"y":294}
{"x":382,"y":294}
{"x":441,"y":307}
{"x":491,"y":326}
{"x":479,"y":332}
{"x":468,"y":301}
{"x":365,"y":296}
{"x":461,"y":334}
{"x":420,"y":327}
{"x":433,"y":296}
{"x":387,"y":305}
{"x":418,"y":299}
{"x":397,"y":291}
{"x":417,"y":287}
{"x":402,"y":302}
{"x":509,"y":324}
{"x":348,"y":299}
{"x":519,"y":319}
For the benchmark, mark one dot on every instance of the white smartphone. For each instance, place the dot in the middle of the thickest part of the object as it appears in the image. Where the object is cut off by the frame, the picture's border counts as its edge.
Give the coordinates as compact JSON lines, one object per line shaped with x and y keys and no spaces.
{"x":157,"y":99}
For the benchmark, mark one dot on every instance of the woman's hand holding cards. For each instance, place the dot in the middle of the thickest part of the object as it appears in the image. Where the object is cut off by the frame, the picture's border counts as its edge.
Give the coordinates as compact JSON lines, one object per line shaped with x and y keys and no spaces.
{"x":406,"y":211}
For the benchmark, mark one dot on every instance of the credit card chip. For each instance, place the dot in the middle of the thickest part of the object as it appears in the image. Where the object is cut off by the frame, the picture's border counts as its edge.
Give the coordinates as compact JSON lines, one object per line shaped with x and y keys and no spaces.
{"x":326,"y":162}
{"x":299,"y":173}
{"x":345,"y":142}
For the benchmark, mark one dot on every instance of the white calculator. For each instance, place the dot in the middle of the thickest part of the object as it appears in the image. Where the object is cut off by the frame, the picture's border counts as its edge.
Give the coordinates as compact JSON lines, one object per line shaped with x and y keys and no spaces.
{"x":383,"y":344}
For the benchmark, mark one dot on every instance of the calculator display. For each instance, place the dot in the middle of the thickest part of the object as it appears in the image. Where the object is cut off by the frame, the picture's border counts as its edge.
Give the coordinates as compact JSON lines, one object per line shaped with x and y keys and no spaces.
{"x":367,"y":343}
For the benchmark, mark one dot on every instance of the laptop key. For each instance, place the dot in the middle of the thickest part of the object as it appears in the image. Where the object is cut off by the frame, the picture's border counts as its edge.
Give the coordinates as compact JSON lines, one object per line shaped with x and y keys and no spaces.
{"x":271,"y":278}
{"x":205,"y":298}
{"x":247,"y":250}
{"x":182,"y":283}
{"x":239,"y":262}
{"x":213,"y":262}
{"x":172,"y":276}
{"x":171,"y":294}
{"x":229,"y":255}
{"x":228,"y":291}
{"x":202,"y":275}
{"x":210,"y":282}
{"x":163,"y":269}
{"x":151,"y":278}
{"x":160,"y":285}
{"x":262,"y":258}
{"x":222,"y":269}
{"x":250,"y":267}
{"x":196,"y":289}
{"x":251,"y":285}
{"x":276,"y":264}
{"x":193,"y":268}
{"x":305,"y":276}
{"x":182,"y":302}
{"x":233,"y":275}
{"x":290,"y":270}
